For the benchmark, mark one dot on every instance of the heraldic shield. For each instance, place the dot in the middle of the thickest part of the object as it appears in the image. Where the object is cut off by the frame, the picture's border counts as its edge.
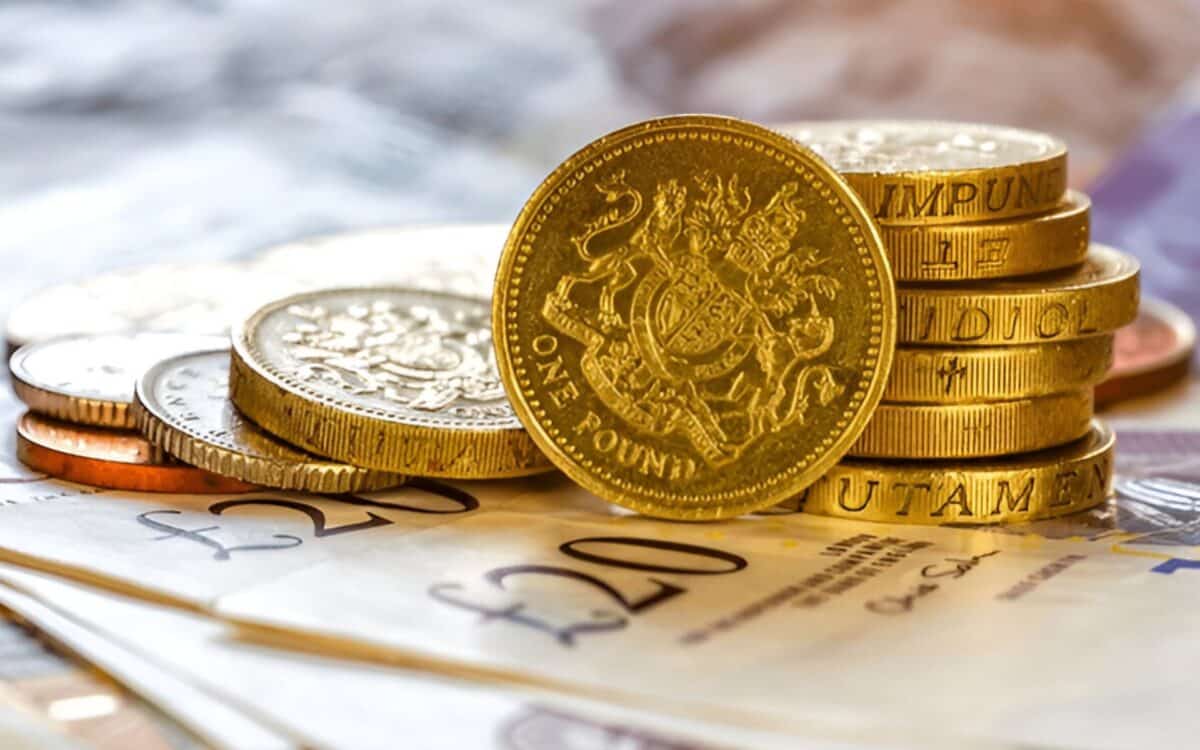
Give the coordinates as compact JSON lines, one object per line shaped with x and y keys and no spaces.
{"x":698,"y":316}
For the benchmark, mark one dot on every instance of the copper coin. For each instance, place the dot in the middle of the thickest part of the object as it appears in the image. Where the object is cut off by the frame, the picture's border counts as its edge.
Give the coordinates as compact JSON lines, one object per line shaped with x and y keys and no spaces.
{"x":1150,"y":353}
{"x":113,"y":459}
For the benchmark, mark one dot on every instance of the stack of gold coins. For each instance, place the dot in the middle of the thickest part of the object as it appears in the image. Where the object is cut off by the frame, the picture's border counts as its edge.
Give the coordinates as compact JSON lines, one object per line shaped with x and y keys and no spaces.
{"x":1006,"y":321}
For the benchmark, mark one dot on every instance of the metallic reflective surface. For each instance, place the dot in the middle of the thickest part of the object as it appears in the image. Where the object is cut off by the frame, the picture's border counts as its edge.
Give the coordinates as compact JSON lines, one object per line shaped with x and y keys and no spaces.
{"x":694,"y":317}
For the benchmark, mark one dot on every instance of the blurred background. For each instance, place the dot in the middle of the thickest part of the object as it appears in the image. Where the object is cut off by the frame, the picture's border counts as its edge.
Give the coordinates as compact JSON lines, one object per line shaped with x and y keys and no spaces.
{"x":147,"y":130}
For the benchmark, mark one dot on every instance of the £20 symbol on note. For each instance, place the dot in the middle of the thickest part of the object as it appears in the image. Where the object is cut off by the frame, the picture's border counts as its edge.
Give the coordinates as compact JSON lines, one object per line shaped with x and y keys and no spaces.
{"x":164,"y":520}
{"x":705,"y":561}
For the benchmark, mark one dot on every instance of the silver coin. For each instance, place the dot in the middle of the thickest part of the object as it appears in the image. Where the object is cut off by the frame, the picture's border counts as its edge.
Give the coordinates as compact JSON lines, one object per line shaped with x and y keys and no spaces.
{"x":186,"y":410}
{"x":890,"y":146}
{"x":90,"y":379}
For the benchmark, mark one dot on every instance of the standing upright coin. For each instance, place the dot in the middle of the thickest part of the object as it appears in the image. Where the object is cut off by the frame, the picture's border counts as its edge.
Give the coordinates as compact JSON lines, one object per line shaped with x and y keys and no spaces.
{"x":388,"y":378}
{"x":694,"y":317}
{"x":89,"y":379}
{"x":182,"y":405}
{"x":921,"y":172}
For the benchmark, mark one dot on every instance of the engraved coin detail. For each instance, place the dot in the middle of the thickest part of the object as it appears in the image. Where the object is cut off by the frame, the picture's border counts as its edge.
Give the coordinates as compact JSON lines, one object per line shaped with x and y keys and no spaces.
{"x":969,"y":374}
{"x":991,"y":249}
{"x":923,"y":172}
{"x":388,"y":378}
{"x":1015,"y":489}
{"x":90,"y":379}
{"x":1099,"y":296}
{"x":694,"y":317}
{"x":114,"y":459}
{"x":975,"y":430}
{"x":182,"y":405}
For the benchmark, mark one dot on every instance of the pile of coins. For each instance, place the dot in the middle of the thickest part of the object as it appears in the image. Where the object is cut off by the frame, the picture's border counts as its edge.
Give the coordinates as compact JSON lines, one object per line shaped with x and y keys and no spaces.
{"x":1006,"y":323}
{"x":80,"y":423}
{"x":694,"y":317}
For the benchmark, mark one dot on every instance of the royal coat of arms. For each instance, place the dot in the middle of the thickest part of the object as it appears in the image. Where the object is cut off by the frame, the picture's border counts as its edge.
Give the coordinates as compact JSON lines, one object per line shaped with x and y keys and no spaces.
{"x":420,"y":357}
{"x":699,"y":317}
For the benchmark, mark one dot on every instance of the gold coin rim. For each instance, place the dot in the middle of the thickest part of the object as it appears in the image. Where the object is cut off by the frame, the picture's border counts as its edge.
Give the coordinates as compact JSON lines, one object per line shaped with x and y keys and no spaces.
{"x":318,"y":475}
{"x":1023,"y":362}
{"x":442,"y":444}
{"x":905,"y":243}
{"x":65,"y":405}
{"x":1122,"y":280}
{"x":920,"y":431}
{"x":683,"y":509}
{"x":1101,"y":440}
{"x":869,"y":184}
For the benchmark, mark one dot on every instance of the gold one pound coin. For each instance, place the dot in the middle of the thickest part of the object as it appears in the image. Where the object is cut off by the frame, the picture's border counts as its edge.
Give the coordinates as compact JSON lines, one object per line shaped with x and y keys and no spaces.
{"x":917,"y":172}
{"x":694,"y":317}
{"x":385,"y":378}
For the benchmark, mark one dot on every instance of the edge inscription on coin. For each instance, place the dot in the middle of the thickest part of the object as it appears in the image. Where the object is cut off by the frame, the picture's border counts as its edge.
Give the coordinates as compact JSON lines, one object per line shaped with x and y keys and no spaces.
{"x":936,"y":172}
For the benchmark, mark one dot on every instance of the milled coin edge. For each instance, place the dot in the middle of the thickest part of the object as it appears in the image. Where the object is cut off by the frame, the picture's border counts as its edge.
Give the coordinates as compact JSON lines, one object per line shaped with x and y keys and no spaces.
{"x":318,"y":475}
{"x":323,"y":425}
{"x":1100,"y":443}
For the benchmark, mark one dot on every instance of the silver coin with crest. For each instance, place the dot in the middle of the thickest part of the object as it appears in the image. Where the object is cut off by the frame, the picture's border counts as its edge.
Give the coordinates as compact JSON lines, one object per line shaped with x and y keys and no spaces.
{"x":182,"y":405}
{"x":90,"y":379}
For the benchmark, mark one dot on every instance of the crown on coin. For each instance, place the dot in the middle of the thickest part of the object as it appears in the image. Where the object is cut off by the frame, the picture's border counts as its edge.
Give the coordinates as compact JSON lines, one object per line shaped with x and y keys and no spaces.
{"x":767,"y":234}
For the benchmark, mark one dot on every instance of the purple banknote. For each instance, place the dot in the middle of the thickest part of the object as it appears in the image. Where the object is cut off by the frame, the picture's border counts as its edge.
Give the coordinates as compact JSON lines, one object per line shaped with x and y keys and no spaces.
{"x":1148,"y":203}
